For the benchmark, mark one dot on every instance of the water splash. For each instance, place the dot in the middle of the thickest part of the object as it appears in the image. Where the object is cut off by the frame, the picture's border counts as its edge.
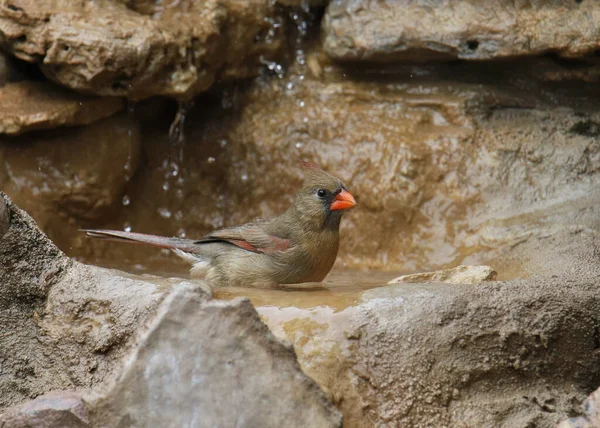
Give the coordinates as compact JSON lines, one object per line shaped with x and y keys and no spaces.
{"x":176,"y":131}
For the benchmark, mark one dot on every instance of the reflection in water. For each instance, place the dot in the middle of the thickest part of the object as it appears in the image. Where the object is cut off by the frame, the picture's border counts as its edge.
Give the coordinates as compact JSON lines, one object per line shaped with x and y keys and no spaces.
{"x":339,"y":290}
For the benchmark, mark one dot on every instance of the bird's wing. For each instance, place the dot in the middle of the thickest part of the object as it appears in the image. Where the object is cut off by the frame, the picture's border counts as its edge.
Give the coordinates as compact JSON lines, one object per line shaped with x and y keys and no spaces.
{"x":252,"y":237}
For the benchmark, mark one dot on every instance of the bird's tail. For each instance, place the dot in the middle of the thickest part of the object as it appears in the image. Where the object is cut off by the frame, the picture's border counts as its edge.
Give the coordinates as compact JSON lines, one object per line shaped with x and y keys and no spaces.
{"x":183,"y":245}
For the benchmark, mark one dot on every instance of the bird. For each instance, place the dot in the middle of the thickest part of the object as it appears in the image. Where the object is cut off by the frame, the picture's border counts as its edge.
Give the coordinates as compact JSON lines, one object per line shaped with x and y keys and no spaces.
{"x":298,"y":246}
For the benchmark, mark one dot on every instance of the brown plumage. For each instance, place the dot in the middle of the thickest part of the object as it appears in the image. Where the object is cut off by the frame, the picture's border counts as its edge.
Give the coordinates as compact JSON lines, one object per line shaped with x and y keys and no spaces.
{"x":300,"y":245}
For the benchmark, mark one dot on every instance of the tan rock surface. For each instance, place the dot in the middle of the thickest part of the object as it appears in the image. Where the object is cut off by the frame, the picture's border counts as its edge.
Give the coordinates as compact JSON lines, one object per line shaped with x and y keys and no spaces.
{"x":458,"y":275}
{"x":506,"y":353}
{"x":207,"y":363}
{"x":28,"y":106}
{"x":89,"y":169}
{"x":390,"y":31}
{"x":142,"y":48}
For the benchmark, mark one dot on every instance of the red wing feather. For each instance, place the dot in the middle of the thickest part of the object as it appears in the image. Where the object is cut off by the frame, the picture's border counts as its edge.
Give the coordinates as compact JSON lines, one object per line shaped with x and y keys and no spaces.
{"x":250,"y":237}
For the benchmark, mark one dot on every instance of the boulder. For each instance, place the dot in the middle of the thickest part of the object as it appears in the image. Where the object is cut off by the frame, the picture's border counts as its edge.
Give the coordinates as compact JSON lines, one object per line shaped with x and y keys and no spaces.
{"x":142,"y":48}
{"x":207,"y":363}
{"x":504,"y":353}
{"x":390,"y":31}
{"x":143,"y":351}
{"x":30,"y":105}
{"x":64,"y":325}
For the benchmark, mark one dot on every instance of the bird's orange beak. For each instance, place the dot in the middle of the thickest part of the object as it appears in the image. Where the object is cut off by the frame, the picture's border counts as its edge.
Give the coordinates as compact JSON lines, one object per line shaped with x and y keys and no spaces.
{"x":342,"y":201}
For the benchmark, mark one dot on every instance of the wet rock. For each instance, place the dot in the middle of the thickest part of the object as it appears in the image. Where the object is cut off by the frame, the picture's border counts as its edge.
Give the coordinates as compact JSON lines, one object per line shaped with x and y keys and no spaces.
{"x":64,"y":325}
{"x":506,"y":353}
{"x":139,"y":49}
{"x":83,"y":176}
{"x":211,"y":363}
{"x":57,"y":409}
{"x":458,"y":275}
{"x":451,"y":29}
{"x":27,"y":106}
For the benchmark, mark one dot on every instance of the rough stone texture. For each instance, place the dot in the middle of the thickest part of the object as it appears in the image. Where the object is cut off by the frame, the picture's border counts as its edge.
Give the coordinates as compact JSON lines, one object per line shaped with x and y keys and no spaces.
{"x":141,"y":48}
{"x":64,"y":325}
{"x":591,"y":407}
{"x":57,"y":409}
{"x":83,"y":175}
{"x":380,"y":30}
{"x":28,"y":105}
{"x":211,"y":363}
{"x":508,"y":353}
{"x":458,"y":275}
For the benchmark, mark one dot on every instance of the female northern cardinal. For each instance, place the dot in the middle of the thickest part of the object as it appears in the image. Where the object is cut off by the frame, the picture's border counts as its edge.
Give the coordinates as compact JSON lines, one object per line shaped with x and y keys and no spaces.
{"x":300,"y":245}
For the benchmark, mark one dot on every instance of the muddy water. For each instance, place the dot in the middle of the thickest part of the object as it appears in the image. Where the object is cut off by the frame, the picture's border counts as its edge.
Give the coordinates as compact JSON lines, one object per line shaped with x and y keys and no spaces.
{"x":338,"y":291}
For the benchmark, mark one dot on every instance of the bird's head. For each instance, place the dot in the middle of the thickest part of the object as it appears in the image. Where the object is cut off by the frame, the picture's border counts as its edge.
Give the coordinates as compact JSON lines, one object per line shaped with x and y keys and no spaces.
{"x":322,"y":200}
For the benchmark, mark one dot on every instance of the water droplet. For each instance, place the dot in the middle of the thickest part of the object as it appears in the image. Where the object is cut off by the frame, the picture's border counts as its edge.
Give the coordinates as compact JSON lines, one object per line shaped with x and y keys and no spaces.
{"x":127,"y":227}
{"x":299,"y":145}
{"x":223,"y":142}
{"x":165,"y":186}
{"x":126,"y":200}
{"x":290,"y":86}
{"x":244,"y":177}
{"x":302,"y":104}
{"x":305,"y":119}
{"x":211,"y":159}
{"x":301,"y":77}
{"x":164,"y":212}
{"x":181,"y":233}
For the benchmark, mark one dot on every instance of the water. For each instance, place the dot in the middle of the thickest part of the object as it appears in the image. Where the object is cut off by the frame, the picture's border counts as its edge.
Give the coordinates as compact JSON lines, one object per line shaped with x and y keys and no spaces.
{"x":341,"y":288}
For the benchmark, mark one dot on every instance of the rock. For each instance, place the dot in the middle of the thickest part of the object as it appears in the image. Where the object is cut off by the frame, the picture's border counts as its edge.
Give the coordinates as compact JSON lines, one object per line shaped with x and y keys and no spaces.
{"x":458,"y":275}
{"x":591,"y":407}
{"x":506,"y":353}
{"x":84,"y":175}
{"x":64,"y":325}
{"x":421,"y":30}
{"x":139,"y":49}
{"x":199,"y":362}
{"x":28,"y":105}
{"x":211,"y":363}
{"x":57,"y":409}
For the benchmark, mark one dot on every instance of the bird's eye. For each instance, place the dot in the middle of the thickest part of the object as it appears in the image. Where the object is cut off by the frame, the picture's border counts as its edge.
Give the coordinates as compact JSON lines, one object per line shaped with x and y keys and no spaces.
{"x":321,"y":193}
